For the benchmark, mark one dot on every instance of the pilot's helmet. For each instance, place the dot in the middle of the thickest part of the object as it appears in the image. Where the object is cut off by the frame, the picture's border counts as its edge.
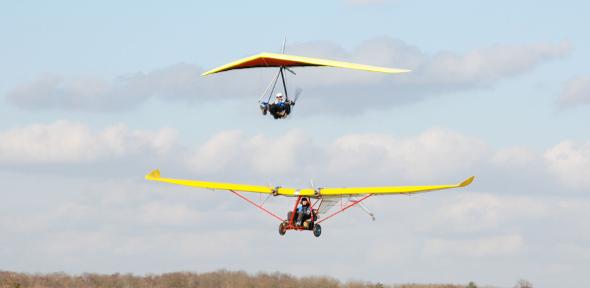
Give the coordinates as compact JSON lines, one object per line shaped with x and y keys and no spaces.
{"x":279,"y":96}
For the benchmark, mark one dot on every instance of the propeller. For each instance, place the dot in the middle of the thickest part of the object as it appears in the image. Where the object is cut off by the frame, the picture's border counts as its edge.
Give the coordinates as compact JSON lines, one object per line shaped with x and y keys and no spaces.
{"x":274,"y":190}
{"x":316,"y":190}
{"x":290,"y":70}
{"x":298,"y":92}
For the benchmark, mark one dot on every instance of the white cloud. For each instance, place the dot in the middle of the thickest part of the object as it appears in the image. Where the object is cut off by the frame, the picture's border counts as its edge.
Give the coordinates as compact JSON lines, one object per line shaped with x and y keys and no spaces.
{"x":155,"y":213}
{"x":575,"y":92}
{"x":484,"y":66}
{"x":483,"y":247}
{"x":434,"y":154}
{"x":71,"y":142}
{"x":432,"y":75}
{"x":570,"y":162}
{"x":119,"y":221}
{"x":233,"y":151}
{"x":515,"y":157}
{"x":480,"y":212}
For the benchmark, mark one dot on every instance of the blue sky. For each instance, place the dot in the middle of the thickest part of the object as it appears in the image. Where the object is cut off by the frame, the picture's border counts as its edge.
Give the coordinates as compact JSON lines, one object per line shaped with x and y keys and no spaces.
{"x":94,"y":95}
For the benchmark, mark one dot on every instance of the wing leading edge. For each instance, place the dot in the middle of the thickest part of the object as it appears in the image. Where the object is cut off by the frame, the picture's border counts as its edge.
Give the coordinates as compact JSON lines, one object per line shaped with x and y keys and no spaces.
{"x":283,"y":60}
{"x":155,"y":176}
{"x":392,"y":189}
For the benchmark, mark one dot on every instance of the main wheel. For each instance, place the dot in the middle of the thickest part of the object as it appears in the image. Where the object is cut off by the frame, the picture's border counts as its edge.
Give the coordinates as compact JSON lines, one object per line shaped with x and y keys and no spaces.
{"x":282,"y":228}
{"x":317,"y":230}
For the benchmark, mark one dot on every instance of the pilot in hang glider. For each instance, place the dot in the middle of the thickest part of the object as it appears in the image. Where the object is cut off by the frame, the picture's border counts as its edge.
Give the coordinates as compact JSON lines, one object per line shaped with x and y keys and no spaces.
{"x":283,"y":105}
{"x":306,"y":212}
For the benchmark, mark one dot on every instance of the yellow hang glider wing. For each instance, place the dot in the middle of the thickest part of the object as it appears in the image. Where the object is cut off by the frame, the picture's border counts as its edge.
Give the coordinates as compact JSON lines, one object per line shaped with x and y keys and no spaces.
{"x":282,"y":60}
{"x":155,"y":176}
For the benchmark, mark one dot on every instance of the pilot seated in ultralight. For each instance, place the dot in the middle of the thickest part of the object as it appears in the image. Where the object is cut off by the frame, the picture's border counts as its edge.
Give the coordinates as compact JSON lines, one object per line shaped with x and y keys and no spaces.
{"x":280,"y":108}
{"x":303,"y":211}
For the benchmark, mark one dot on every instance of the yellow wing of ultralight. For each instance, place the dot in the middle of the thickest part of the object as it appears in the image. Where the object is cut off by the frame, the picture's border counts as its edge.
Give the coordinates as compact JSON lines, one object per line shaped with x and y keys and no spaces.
{"x":155,"y":176}
{"x":392,"y":189}
{"x":283,"y":60}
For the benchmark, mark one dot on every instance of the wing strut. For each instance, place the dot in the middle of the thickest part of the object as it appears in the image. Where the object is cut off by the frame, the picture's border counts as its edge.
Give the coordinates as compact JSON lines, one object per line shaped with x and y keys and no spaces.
{"x":272,"y":84}
{"x":367,"y":210}
{"x":257,"y":205}
{"x":345,"y":207}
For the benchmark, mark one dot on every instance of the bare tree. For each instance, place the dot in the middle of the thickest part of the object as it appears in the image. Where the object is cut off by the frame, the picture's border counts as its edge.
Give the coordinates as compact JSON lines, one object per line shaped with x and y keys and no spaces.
{"x":522,"y":283}
{"x":217,"y":279}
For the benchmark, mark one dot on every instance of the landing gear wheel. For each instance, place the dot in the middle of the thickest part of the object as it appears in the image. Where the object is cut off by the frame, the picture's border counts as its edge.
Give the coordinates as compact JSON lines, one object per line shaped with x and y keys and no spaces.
{"x":282,"y":228}
{"x":317,"y":230}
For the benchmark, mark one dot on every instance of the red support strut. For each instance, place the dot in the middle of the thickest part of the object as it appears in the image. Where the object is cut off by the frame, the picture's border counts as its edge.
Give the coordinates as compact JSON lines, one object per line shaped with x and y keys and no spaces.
{"x":257,"y":206}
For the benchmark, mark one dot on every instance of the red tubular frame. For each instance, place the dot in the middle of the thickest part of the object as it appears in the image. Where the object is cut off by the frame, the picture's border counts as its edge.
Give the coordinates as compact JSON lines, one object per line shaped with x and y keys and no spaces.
{"x":346,"y":207}
{"x":291,"y":222}
{"x":257,"y":206}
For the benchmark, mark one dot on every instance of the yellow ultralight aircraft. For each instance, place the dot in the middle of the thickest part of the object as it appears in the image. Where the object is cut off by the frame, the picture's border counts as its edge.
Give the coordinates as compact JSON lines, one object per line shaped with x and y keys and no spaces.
{"x":281,"y":108}
{"x":324,"y":199}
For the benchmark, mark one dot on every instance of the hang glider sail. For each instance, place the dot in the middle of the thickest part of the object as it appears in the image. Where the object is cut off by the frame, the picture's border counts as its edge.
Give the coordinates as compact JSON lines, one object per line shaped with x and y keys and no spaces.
{"x":310,"y":192}
{"x":267,"y":60}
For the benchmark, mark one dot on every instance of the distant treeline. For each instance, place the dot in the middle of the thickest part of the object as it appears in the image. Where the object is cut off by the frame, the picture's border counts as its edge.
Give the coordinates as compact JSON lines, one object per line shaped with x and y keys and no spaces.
{"x":219,"y":279}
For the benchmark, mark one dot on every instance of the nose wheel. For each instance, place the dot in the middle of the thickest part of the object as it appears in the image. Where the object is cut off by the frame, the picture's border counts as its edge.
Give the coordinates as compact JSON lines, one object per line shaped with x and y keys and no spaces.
{"x":282,"y":228}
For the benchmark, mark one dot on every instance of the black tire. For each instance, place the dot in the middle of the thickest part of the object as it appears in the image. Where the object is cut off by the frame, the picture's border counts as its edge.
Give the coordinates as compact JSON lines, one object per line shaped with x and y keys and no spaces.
{"x":317,"y":230}
{"x":282,"y":228}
